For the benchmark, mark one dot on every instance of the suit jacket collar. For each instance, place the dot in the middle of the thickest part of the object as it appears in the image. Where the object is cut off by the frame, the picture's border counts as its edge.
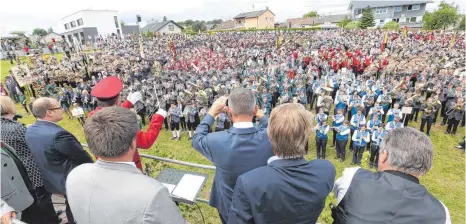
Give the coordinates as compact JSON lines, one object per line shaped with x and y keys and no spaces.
{"x":117,"y":166}
{"x":288,"y":162}
{"x":44,"y":122}
{"x":242,"y":131}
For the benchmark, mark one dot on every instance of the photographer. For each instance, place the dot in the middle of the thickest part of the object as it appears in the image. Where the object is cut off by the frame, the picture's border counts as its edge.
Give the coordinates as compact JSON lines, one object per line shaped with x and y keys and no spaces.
{"x":236,"y":151}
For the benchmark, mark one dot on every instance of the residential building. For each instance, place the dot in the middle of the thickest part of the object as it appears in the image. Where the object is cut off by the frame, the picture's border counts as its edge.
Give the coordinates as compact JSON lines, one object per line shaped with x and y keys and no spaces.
{"x":325,"y":21}
{"x":262,"y":19}
{"x":165,"y":27}
{"x":406,"y":13}
{"x":84,"y":25}
{"x":50,"y":36}
{"x":130,"y":29}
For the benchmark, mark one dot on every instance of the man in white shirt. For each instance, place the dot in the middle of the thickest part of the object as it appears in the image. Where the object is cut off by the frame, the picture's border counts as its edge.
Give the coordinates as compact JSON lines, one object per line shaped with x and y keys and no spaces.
{"x":113,"y":190}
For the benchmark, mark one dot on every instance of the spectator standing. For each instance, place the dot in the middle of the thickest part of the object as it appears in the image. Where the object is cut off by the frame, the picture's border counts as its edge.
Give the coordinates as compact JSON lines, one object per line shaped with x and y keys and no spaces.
{"x":238,"y":150}
{"x":55,"y":150}
{"x":14,"y":134}
{"x":11,"y":86}
{"x":393,"y":194}
{"x":99,"y":191}
{"x":16,"y":190}
{"x":289,"y":189}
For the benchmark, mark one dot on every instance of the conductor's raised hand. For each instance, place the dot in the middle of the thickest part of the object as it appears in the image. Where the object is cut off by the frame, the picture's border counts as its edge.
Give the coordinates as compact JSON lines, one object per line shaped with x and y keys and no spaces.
{"x":134,"y":97}
{"x":218,"y":106}
{"x":259,"y":113}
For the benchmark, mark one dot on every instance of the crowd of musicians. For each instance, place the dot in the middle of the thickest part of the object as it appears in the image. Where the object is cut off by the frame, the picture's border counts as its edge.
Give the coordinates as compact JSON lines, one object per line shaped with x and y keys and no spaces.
{"x":361,"y":84}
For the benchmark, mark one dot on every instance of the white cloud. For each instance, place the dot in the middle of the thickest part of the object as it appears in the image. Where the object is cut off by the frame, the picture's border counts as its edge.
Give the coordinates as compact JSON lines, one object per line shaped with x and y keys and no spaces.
{"x":32,"y":14}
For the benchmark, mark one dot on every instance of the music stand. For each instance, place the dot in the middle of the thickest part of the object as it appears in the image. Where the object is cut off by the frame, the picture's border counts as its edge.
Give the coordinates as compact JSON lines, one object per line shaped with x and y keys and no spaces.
{"x":406,"y":110}
{"x":173,"y":179}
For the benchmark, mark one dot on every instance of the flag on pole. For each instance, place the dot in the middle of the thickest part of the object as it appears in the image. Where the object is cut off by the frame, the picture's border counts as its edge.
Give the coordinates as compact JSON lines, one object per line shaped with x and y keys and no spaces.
{"x":384,"y":41}
{"x":279,"y":40}
{"x":453,"y":39}
{"x":405,"y":31}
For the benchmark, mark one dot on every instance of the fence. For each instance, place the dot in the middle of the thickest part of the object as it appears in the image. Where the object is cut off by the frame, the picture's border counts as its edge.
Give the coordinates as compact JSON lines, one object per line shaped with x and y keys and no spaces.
{"x":174,"y":161}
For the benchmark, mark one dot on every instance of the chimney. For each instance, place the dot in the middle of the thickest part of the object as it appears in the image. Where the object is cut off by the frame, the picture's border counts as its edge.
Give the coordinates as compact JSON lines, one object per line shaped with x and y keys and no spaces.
{"x":266,"y":8}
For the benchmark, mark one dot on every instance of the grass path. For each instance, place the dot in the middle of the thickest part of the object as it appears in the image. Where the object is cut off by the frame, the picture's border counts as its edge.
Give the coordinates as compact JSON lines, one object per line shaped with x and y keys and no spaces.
{"x":445,"y":181}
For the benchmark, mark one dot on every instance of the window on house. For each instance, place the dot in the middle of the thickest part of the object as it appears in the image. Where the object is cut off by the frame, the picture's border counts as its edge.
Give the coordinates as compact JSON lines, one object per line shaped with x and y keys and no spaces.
{"x":80,"y":22}
{"x":73,"y":24}
{"x":171,"y":27}
{"x":381,"y":21}
{"x":359,"y":11}
{"x":67,"y":26}
{"x":414,"y":7}
{"x":396,"y":20}
{"x":412,"y":19}
{"x":398,"y":8}
{"x":380,"y":10}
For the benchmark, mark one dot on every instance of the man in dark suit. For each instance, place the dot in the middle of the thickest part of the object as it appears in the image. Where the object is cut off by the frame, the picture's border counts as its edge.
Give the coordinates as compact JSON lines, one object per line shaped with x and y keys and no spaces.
{"x":55,"y":150}
{"x":289,"y":189}
{"x":393,"y":194}
{"x":235,"y":151}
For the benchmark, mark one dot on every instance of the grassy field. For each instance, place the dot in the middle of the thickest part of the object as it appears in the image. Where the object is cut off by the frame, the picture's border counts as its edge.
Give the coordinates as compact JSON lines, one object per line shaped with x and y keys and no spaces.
{"x":445,"y":181}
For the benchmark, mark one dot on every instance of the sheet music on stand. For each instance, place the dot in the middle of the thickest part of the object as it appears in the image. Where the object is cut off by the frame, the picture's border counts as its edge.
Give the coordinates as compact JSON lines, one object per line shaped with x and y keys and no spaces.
{"x":183,"y":186}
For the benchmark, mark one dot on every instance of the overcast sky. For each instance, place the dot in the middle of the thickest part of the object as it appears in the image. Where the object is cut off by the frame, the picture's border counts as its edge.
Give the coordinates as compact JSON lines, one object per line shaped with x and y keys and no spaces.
{"x":26,"y":15}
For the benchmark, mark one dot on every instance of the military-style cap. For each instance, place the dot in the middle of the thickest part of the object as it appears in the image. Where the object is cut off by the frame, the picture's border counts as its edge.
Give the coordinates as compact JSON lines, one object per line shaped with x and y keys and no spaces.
{"x":107,"y":88}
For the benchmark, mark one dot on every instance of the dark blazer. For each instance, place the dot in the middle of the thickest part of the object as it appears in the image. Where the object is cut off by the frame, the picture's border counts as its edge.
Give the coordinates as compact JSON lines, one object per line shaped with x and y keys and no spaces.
{"x":233,"y":152}
{"x":284,"y":191}
{"x":56,"y":152}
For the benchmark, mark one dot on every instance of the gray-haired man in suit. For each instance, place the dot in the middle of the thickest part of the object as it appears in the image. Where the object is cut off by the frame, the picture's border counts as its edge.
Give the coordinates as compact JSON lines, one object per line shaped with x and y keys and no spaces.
{"x":113,"y":190}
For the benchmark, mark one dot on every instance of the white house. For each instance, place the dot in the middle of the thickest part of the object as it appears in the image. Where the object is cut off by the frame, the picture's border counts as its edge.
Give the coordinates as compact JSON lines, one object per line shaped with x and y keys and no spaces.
{"x":89,"y":23}
{"x":163,"y":27}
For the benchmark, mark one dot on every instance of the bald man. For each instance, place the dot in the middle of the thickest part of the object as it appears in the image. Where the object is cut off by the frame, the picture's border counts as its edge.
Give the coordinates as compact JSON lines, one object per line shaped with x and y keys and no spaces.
{"x":55,"y":150}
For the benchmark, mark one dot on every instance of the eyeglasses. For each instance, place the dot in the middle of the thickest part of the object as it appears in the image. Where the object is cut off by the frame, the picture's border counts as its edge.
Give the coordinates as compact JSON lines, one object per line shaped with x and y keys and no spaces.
{"x":56,"y":108}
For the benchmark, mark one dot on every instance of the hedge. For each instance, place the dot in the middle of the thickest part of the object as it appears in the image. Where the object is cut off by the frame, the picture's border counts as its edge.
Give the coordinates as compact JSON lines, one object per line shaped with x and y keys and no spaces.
{"x":274,"y":29}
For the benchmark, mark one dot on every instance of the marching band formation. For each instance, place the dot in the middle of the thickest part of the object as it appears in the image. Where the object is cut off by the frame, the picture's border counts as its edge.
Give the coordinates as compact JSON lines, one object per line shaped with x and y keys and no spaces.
{"x":366,"y":83}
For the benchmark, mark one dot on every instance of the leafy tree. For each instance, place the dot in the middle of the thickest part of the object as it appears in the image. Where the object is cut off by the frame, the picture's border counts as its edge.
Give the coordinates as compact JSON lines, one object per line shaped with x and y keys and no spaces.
{"x":199,"y":26}
{"x":164,"y":18}
{"x":189,"y":22}
{"x":344,"y":22}
{"x":49,"y":30}
{"x":392,"y":25}
{"x":353,"y":25}
{"x":462,"y":24}
{"x":39,"y":32}
{"x":367,"y":19}
{"x":311,"y":14}
{"x":18,"y":33}
{"x":217,"y":21}
{"x":442,"y":18}
{"x":122,"y":23}
{"x":427,"y":21}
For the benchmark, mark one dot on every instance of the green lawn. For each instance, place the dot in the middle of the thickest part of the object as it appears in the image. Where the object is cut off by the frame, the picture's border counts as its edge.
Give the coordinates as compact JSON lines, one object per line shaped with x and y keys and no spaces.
{"x":445,"y":181}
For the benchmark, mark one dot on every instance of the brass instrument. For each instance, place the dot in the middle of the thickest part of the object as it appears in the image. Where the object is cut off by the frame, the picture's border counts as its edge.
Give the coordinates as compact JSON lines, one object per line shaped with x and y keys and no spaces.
{"x":429,"y":109}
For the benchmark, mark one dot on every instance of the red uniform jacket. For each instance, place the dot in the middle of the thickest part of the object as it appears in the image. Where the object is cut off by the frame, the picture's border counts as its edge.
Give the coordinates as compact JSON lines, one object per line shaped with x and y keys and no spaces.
{"x":144,"y":139}
{"x":367,"y":62}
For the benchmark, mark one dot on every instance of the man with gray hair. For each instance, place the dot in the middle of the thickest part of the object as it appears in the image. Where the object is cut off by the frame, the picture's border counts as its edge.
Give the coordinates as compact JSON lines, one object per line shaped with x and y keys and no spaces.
{"x":103,"y":192}
{"x":393,"y":194}
{"x":235,"y":151}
